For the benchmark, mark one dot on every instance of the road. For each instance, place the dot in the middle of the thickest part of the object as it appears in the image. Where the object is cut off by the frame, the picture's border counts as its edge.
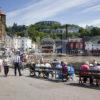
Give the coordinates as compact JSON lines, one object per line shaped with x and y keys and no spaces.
{"x":26,"y":88}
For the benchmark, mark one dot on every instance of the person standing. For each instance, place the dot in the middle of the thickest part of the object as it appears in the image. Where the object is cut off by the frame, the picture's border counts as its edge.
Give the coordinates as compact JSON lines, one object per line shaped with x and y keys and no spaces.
{"x":6,"y":66}
{"x":1,"y":63}
{"x":17,"y":62}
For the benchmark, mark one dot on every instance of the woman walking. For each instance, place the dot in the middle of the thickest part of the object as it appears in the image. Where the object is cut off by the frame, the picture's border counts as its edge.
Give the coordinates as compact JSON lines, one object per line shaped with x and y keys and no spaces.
{"x":6,"y":66}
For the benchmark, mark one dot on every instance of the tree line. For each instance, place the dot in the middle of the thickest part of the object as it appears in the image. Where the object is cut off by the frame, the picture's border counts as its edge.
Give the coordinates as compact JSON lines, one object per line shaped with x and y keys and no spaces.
{"x":33,"y":31}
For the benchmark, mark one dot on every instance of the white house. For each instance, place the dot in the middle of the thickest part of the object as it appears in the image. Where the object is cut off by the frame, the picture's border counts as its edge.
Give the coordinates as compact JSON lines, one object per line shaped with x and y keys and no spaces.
{"x":25,"y":43}
{"x":8,"y":41}
{"x":16,"y":43}
{"x":88,"y":46}
{"x":21,"y":43}
{"x":93,"y":44}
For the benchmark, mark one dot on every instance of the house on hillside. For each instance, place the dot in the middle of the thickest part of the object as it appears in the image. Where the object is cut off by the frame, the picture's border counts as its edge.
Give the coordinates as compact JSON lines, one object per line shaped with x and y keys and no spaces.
{"x":47,"y":45}
{"x":92,"y":43}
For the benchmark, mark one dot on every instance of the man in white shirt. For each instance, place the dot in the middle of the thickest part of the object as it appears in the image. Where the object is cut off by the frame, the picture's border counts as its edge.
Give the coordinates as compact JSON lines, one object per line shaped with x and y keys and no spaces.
{"x":17,"y":62}
{"x":47,"y":65}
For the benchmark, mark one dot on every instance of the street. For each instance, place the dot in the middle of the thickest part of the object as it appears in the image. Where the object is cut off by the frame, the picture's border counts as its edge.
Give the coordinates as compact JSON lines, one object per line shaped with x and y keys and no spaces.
{"x":27,"y":88}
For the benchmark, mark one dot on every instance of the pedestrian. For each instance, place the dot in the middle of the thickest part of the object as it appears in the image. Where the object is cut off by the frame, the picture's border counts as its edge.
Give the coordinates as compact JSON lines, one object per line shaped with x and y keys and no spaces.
{"x":17,"y":62}
{"x":6,"y":66}
{"x":1,"y":63}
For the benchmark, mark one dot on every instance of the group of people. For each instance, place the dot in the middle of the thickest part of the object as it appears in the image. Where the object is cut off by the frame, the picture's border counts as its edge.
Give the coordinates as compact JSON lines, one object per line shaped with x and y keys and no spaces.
{"x":66,"y":68}
{"x":15,"y":61}
{"x":89,"y":66}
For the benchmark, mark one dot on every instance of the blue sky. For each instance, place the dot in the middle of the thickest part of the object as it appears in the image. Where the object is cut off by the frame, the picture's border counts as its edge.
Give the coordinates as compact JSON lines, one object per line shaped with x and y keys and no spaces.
{"x":80,"y":12}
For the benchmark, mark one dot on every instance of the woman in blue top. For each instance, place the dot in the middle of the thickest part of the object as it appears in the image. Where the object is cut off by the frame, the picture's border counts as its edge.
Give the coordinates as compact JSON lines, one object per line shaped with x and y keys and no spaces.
{"x":71,"y":72}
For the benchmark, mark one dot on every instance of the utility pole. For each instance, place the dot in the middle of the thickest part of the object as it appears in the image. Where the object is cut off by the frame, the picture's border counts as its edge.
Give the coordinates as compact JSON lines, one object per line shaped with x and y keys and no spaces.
{"x":66,"y":35}
{"x":66,"y":31}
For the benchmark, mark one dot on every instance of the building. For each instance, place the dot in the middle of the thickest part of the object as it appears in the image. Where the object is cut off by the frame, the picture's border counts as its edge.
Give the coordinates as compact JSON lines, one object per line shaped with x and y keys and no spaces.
{"x":73,"y":29}
{"x":92,"y":43}
{"x":16,"y":43}
{"x":2,"y":28}
{"x":22,"y":43}
{"x":25,"y":43}
{"x":47,"y":23}
{"x":47,"y":45}
{"x":75,"y":44}
{"x":60,"y":46}
{"x":8,"y":41}
{"x":89,"y":28}
{"x":57,"y":31}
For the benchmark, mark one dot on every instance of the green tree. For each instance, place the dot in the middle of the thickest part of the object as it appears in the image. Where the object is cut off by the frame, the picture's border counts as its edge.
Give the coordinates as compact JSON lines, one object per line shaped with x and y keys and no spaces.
{"x":84,"y":32}
{"x":34,"y":34}
{"x":95,"y":31}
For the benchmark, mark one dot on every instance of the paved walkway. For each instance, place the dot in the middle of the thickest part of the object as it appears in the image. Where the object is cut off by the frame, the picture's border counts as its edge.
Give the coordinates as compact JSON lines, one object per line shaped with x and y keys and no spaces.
{"x":26,"y":88}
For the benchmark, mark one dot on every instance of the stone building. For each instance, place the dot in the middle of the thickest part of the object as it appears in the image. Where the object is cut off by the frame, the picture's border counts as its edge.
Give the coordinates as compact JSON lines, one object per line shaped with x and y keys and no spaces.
{"x":2,"y":28}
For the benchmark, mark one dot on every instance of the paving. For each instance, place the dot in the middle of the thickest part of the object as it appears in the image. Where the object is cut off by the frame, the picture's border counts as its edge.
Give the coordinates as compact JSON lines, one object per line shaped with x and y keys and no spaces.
{"x":27,"y":88}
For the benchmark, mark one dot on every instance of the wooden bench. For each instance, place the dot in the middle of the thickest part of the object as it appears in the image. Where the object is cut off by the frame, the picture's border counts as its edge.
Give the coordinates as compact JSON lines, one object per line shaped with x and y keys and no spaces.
{"x":92,"y":75}
{"x":47,"y":71}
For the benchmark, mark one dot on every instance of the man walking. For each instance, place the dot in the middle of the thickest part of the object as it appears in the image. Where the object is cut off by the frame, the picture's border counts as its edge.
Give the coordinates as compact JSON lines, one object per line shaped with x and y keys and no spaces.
{"x":17,"y":62}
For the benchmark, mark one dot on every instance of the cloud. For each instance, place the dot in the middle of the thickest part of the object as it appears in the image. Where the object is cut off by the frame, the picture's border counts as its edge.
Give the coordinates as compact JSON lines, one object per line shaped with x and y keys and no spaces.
{"x":95,"y":22}
{"x":93,"y":9}
{"x":41,"y":10}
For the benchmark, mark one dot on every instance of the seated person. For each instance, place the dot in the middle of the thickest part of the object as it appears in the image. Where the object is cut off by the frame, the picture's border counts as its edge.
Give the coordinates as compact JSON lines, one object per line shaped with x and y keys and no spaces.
{"x":59,"y":73}
{"x":64,"y":70}
{"x":71,"y":72}
{"x":97,"y":67}
{"x":84,"y":67}
{"x":47,"y":65}
{"x":37,"y":67}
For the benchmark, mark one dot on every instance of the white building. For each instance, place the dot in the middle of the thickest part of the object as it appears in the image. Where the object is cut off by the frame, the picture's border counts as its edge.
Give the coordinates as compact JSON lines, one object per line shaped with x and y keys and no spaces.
{"x":73,"y":29}
{"x":25,"y":43}
{"x":93,"y":44}
{"x":8,"y":41}
{"x":18,"y":43}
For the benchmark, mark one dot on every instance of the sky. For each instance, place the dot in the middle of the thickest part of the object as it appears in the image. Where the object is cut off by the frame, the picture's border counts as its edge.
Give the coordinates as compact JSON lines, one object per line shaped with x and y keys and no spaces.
{"x":79,"y":12}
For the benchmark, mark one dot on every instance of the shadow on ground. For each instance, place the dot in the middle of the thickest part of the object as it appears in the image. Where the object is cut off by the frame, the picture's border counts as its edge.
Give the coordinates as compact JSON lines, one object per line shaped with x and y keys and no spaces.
{"x":69,"y":83}
{"x":46,"y":79}
{"x":84,"y":86}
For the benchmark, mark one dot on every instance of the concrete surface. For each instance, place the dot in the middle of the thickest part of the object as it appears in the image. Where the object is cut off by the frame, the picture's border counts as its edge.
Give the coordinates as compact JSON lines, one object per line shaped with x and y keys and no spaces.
{"x":26,"y":88}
